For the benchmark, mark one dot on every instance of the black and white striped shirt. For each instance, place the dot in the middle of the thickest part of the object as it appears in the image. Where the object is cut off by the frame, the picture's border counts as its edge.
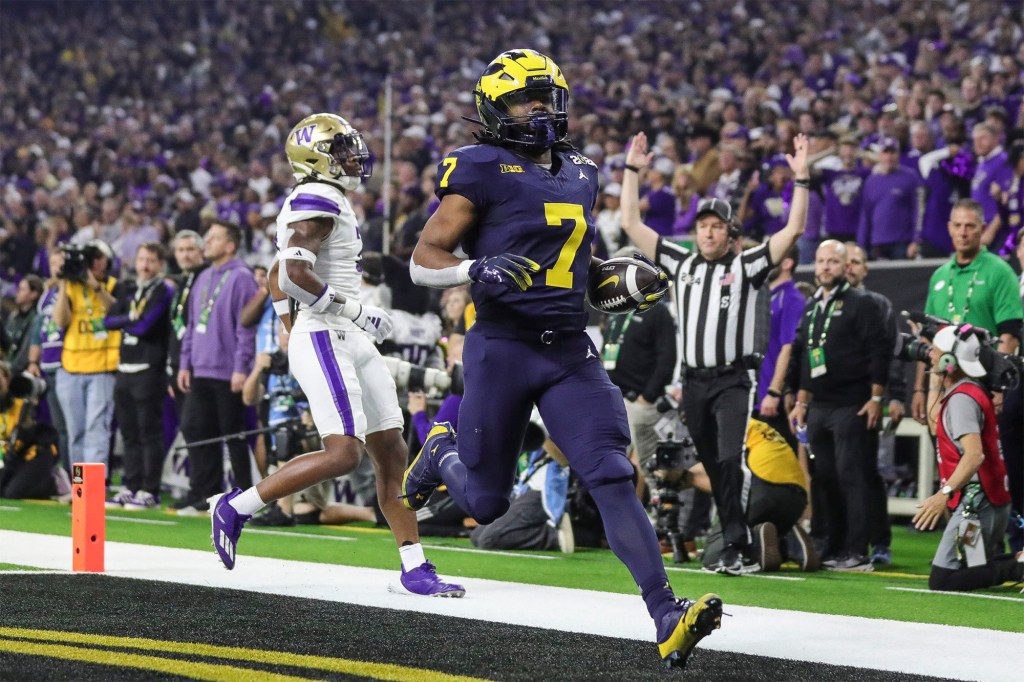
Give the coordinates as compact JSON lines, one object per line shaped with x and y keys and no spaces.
{"x":715,"y":302}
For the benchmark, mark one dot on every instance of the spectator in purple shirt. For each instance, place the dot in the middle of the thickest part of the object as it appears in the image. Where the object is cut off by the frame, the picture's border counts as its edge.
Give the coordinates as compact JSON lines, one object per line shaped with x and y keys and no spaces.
{"x":659,"y":204}
{"x":842,"y":185}
{"x":992,"y":175}
{"x":947,"y":174}
{"x":1011,"y":203}
{"x":889,"y":215}
{"x":765,"y":206}
{"x":217,"y":354}
{"x":920,"y":144}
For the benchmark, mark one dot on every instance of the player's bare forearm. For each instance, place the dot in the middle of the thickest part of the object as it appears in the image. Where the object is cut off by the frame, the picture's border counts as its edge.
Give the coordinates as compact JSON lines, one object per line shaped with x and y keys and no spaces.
{"x":276,"y":295}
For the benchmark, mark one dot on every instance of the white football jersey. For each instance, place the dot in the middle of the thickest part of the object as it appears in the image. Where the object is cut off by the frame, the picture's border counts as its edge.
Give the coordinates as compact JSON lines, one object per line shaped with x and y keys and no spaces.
{"x":338,"y":261}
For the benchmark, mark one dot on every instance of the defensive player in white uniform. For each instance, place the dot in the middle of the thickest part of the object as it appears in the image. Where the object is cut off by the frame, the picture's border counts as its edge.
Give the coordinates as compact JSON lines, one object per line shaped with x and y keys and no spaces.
{"x":331,"y":351}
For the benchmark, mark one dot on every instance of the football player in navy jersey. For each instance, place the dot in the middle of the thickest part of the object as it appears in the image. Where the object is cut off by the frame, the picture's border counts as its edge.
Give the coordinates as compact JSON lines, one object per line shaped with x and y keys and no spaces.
{"x":519,"y":203}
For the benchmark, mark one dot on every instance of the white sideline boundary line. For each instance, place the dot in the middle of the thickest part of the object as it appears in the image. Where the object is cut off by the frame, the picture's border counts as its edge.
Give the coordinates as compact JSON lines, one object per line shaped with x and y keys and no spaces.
{"x":918,"y":648}
{"x":1019,"y":600}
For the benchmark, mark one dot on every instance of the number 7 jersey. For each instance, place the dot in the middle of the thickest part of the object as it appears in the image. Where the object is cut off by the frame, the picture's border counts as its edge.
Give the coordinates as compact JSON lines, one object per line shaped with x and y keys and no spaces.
{"x":525,"y":209}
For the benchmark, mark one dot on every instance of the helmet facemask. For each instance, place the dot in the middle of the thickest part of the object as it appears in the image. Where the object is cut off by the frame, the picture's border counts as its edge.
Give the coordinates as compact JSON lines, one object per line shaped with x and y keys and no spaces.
{"x":343,"y":150}
{"x":536,"y":131}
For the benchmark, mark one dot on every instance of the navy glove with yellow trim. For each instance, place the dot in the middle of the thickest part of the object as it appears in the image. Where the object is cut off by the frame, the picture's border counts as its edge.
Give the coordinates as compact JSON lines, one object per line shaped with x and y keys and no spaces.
{"x":507,"y":269}
{"x":652,"y":299}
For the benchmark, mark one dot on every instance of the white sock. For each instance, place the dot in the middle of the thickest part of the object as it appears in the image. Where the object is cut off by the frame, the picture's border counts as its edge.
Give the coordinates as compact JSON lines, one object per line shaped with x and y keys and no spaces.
{"x":249,"y":502}
{"x":412,"y":556}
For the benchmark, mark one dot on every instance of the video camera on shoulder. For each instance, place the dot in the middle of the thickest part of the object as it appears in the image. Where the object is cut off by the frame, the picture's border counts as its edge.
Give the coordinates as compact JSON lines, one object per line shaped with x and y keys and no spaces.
{"x":1004,"y":370}
{"x":416,"y":378}
{"x":78,"y":259}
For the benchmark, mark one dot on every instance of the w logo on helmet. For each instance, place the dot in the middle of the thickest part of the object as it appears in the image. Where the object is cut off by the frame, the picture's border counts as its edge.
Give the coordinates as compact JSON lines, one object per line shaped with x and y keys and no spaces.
{"x":304,"y":135}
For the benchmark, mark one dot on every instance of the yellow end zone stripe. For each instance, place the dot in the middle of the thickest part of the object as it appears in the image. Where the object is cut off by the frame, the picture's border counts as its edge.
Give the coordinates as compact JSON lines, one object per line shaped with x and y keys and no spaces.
{"x":195,"y":670}
{"x":378,"y":671}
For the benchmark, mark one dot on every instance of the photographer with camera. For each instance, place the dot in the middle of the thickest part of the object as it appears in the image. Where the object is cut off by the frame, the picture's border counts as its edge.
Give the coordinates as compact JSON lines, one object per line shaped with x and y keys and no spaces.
{"x":141,"y":381}
{"x":977,"y":287}
{"x":971,"y":470}
{"x":28,"y":449}
{"x":85,"y":381}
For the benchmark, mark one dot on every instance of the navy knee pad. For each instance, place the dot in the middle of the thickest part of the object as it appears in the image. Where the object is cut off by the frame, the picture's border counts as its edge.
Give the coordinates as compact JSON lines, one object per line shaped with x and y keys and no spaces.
{"x":612,"y":468}
{"x":488,"y":508}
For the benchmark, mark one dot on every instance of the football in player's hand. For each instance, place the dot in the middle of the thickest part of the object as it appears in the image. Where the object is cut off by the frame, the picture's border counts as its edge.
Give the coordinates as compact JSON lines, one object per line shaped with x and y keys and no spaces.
{"x":620,"y":285}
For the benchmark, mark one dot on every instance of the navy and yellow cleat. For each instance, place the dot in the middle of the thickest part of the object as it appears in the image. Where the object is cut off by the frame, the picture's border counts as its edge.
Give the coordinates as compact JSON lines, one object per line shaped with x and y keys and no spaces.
{"x":682,"y":628}
{"x":423,"y":477}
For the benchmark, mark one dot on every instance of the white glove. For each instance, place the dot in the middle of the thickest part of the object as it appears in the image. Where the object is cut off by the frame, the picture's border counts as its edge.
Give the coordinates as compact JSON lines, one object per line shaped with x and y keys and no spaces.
{"x":376,"y":321}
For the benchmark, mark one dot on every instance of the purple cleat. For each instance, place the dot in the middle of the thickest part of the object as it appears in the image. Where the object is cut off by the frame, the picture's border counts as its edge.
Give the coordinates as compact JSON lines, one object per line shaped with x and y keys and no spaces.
{"x":424,"y":581}
{"x":423,"y":476}
{"x":227,"y":526}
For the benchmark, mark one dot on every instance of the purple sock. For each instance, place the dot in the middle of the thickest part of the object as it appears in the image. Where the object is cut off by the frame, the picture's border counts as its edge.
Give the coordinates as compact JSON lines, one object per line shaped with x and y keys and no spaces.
{"x":635,"y":543}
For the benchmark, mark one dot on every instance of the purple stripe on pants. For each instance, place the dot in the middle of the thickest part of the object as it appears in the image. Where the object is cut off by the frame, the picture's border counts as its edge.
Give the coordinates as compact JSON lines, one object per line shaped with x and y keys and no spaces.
{"x":329,"y":364}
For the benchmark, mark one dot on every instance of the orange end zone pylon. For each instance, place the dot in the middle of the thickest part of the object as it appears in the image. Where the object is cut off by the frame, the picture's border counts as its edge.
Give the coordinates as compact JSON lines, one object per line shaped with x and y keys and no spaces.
{"x":88,"y":516}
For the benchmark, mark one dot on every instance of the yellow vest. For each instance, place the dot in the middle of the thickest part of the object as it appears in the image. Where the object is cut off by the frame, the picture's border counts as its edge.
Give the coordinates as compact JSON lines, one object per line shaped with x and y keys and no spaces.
{"x":85,"y":351}
{"x":770,"y":458}
{"x":9,"y":419}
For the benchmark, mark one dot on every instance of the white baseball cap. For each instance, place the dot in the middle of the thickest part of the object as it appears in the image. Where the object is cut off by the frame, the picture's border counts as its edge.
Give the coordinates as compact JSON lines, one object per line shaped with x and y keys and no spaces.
{"x":966,"y":347}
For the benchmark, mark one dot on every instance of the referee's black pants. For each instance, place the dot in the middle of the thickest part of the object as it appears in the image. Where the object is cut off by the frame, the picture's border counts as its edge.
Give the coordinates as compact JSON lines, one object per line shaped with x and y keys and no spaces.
{"x":139,"y":407}
{"x":841,"y":444}
{"x":717,"y":408}
{"x":212,"y":410}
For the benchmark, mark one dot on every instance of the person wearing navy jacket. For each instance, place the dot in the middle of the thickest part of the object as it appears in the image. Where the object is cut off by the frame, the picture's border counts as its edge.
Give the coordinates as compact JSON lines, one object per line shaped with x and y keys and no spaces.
{"x":141,"y":381}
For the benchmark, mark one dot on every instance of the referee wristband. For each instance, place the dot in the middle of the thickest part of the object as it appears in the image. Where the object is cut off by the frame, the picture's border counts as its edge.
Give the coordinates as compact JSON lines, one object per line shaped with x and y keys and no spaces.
{"x":635,"y":169}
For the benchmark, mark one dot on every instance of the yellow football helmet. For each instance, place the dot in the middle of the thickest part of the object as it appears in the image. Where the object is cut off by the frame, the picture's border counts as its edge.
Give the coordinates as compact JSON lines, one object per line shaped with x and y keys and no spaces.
{"x":326,"y":148}
{"x":519,"y":77}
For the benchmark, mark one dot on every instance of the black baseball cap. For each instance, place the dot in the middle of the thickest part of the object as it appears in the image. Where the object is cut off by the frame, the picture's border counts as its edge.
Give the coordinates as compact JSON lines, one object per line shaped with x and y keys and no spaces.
{"x":716,"y":207}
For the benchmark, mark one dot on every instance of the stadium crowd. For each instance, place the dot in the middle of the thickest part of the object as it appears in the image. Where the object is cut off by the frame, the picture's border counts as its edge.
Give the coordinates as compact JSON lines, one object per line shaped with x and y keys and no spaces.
{"x":132,"y":129}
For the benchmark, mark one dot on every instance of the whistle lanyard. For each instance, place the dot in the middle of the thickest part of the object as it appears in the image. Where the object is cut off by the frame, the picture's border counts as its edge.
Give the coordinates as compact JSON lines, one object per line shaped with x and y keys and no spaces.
{"x":829,"y":307}
{"x":183,"y":295}
{"x":140,"y":300}
{"x":204,"y":315}
{"x":617,"y":332}
{"x":950,"y":308}
{"x":88,"y":301}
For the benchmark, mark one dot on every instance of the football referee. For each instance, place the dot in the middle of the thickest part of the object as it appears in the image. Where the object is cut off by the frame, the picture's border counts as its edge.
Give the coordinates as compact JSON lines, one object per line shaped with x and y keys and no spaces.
{"x":715,"y":297}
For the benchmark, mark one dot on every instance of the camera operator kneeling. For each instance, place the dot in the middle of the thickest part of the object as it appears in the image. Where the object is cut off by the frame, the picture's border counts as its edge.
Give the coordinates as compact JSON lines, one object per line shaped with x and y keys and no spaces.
{"x":28,"y":450}
{"x":972,"y":472}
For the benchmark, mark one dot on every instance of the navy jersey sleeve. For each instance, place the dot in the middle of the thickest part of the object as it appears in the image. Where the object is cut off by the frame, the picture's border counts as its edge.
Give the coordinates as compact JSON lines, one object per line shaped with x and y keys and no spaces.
{"x":463,"y":172}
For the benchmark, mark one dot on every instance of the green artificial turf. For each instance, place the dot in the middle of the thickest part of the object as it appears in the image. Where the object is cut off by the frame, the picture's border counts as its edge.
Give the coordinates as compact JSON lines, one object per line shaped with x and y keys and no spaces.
{"x":855,"y":594}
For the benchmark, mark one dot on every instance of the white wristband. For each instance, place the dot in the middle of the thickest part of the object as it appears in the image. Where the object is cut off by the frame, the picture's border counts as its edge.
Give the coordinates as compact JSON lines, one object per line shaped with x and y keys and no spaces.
{"x":351,"y":309}
{"x":440,"y":278}
{"x":282,"y":307}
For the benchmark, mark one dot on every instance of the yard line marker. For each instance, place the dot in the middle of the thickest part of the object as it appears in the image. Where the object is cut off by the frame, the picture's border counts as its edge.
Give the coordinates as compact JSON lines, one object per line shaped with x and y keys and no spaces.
{"x":491,"y":551}
{"x":298,"y":535}
{"x":958,"y":594}
{"x":10,"y":508}
{"x":745,"y":575}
